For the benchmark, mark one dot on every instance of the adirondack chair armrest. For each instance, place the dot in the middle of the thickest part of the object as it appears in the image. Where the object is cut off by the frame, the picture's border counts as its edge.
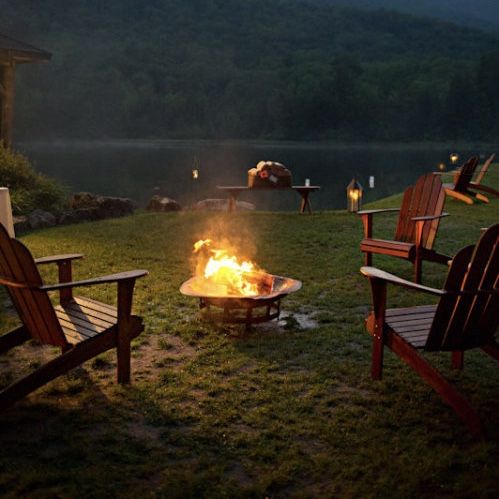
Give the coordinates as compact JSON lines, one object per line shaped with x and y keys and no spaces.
{"x":58,"y":258}
{"x":427,"y":218}
{"x":119,"y":277}
{"x":375,"y":273}
{"x":378,"y":210}
{"x":367,"y":219}
{"x":483,"y":188}
{"x":420,"y":223}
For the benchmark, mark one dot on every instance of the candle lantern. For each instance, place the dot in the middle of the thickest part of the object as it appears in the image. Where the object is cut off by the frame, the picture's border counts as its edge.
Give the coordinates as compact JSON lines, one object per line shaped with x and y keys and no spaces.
{"x":441,"y":167}
{"x":454,"y":158}
{"x":354,"y":196}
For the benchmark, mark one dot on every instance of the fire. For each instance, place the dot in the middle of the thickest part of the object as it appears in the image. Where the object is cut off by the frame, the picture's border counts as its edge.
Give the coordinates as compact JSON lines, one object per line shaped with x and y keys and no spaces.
{"x":224,"y":273}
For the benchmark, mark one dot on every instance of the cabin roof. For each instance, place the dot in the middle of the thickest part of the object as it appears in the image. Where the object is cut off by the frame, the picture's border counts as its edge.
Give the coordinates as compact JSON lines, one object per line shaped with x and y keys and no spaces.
{"x":15,"y":51}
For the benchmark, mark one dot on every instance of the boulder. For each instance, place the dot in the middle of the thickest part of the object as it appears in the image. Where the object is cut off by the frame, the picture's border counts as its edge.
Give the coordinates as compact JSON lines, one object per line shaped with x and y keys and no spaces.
{"x":21,"y":224}
{"x":101,"y":206}
{"x":78,"y":215}
{"x":160,"y":203}
{"x":40,"y":219}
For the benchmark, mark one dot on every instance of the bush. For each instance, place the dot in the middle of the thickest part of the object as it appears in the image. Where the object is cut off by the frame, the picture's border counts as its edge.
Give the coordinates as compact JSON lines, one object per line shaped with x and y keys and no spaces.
{"x":29,"y":189}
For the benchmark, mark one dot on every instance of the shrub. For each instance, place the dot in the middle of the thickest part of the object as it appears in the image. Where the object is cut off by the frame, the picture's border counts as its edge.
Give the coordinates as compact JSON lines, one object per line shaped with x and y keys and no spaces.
{"x":29,"y":189}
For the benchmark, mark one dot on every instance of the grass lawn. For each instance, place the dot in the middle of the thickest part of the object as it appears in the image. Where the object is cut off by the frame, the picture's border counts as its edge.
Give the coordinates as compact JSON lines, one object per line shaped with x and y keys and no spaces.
{"x":288,"y":411}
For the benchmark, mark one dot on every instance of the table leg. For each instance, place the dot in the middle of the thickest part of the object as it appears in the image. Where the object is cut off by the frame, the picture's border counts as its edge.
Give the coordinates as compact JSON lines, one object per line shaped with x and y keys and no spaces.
{"x":232,"y":201}
{"x":305,"y":202}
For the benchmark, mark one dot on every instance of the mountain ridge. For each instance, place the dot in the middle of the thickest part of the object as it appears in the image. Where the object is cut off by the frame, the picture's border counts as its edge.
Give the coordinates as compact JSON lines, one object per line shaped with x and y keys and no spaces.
{"x":220,"y":68}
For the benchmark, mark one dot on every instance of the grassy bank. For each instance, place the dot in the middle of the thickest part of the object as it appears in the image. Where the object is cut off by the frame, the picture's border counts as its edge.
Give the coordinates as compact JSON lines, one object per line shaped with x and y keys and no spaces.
{"x":286,"y":411}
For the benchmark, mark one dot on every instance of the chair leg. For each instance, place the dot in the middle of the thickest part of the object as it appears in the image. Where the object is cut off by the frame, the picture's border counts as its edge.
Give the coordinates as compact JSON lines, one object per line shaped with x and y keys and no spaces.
{"x":418,"y":270}
{"x":377,"y":358}
{"x":54,"y":368}
{"x":460,"y":196}
{"x":446,"y":390}
{"x":457,"y":361}
{"x":368,"y":260}
{"x":123,"y":359}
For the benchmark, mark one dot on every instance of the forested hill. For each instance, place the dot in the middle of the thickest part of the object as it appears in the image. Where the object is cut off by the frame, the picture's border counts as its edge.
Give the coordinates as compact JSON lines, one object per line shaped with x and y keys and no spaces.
{"x":483,"y":14}
{"x":249,"y":69}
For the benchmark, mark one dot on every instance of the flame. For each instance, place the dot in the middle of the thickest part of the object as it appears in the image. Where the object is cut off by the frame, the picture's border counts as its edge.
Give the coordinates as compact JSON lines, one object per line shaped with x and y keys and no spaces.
{"x":223,"y":272}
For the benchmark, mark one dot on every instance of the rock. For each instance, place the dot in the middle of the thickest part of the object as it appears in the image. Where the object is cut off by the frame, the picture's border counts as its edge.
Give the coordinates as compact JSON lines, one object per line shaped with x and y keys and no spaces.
{"x":78,"y":215}
{"x":21,"y":225}
{"x":40,"y":219}
{"x":159,"y":203}
{"x":221,"y":205}
{"x":99,"y":207}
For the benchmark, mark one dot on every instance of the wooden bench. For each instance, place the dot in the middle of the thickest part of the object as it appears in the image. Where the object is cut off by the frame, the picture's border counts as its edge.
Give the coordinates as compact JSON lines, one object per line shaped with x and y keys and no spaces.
{"x":303,"y":190}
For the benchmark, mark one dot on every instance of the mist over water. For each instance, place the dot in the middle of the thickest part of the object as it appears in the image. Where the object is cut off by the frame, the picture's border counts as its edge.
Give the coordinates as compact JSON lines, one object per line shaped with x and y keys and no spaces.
{"x":137,"y":169}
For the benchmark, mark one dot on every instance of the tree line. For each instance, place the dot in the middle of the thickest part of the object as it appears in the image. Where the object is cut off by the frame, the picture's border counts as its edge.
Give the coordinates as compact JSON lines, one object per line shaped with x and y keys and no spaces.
{"x":256,"y":69}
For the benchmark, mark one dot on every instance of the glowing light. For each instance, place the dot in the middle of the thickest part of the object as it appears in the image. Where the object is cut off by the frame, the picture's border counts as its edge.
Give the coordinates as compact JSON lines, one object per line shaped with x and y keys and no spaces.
{"x":354,"y":196}
{"x":225,"y":272}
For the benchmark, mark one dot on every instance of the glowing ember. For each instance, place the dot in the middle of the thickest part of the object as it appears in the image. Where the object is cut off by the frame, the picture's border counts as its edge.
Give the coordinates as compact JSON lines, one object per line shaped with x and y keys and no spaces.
{"x":223,"y":273}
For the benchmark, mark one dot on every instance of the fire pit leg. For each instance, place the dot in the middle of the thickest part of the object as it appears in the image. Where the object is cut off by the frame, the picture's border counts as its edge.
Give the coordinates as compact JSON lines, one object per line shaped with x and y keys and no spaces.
{"x":249,"y":315}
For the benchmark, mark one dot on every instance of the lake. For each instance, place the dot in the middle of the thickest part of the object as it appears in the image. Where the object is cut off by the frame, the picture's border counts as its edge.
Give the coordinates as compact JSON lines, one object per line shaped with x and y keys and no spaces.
{"x":135,"y":168}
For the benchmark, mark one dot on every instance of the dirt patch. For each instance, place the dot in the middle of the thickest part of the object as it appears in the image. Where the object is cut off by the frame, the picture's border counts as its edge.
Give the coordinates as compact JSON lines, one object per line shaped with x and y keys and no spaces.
{"x":160,"y":350}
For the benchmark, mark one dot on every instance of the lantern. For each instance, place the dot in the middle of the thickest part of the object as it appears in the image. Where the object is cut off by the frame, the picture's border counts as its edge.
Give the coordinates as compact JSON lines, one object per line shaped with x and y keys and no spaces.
{"x":454,"y":157}
{"x":195,"y":174}
{"x":441,"y":167}
{"x":354,"y":196}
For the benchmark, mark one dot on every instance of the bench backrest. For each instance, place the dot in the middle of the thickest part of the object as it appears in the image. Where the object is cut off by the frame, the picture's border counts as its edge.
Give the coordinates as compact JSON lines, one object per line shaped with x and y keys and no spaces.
{"x":18,"y":272}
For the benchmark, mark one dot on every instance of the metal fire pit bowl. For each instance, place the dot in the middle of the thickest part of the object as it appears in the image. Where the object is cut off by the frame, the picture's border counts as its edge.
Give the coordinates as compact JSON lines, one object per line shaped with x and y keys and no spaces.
{"x":237,"y":309}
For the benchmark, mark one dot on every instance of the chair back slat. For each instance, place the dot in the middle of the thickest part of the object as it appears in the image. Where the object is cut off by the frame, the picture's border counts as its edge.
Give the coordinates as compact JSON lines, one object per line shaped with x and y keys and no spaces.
{"x":484,"y":169}
{"x":470,"y":319}
{"x":425,"y":198}
{"x":401,"y":230}
{"x":32,"y":304}
{"x":477,"y":328}
{"x":447,"y":303}
{"x":465,"y":175}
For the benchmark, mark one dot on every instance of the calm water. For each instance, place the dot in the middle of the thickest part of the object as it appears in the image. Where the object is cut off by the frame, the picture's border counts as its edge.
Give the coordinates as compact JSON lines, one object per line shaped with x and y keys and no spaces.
{"x":134,"y":168}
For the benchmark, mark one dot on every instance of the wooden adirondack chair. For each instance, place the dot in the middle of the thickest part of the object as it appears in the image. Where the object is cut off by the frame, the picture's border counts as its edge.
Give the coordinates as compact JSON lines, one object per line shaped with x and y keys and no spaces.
{"x":465,"y":317}
{"x":81,"y":327}
{"x":476,"y":184}
{"x":460,"y":188}
{"x":419,"y":218}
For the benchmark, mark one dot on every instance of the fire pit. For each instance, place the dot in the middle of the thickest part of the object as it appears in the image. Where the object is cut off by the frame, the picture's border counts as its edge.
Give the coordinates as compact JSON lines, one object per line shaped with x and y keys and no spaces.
{"x":239,"y":292}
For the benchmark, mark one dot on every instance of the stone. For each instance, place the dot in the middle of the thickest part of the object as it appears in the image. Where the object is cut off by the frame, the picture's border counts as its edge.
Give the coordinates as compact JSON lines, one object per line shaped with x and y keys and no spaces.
{"x":39,"y":219}
{"x":160,"y":203}
{"x":21,"y":224}
{"x":101,"y":206}
{"x":78,"y":215}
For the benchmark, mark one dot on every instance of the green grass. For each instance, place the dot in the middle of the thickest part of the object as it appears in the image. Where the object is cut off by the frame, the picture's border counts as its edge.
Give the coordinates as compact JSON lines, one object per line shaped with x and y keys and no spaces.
{"x":279,"y":412}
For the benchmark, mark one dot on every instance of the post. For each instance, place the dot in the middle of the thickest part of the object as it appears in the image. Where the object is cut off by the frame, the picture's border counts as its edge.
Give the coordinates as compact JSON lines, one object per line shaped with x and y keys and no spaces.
{"x":7,"y":74}
{"x":6,"y":211}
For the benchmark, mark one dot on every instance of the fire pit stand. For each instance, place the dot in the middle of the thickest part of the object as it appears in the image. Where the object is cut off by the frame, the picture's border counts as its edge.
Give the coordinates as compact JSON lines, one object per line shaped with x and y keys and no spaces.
{"x":241,"y":310}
